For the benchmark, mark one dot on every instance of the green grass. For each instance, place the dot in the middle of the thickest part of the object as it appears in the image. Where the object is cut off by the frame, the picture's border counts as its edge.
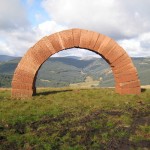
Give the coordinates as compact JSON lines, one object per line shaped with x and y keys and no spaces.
{"x":75,"y":119}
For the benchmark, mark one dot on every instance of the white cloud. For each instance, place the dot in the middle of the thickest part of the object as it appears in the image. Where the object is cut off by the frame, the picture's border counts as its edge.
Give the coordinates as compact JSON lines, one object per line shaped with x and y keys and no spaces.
{"x":17,"y":41}
{"x":14,"y":27}
{"x":5,"y":49}
{"x":128,"y":22}
{"x":12,"y":15}
{"x":49,"y":27}
{"x":115,"y":18}
{"x":145,"y":40}
{"x":76,"y":52}
{"x":139,"y":46}
{"x":125,"y":21}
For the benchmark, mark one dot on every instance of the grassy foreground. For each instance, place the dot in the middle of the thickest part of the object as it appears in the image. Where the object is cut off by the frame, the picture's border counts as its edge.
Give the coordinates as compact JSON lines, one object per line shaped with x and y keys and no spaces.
{"x":74,"y":119}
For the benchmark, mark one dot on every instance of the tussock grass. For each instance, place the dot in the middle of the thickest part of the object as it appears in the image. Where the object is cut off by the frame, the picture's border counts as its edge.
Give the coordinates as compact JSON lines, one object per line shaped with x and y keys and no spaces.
{"x":70,"y":118}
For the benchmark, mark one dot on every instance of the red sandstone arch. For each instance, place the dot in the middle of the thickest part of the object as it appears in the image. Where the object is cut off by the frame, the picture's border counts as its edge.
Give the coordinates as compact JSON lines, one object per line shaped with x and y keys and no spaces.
{"x":125,"y":74}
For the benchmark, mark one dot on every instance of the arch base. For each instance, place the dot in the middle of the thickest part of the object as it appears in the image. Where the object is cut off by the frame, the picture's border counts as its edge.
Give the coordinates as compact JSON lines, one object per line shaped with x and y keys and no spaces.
{"x":20,"y":93}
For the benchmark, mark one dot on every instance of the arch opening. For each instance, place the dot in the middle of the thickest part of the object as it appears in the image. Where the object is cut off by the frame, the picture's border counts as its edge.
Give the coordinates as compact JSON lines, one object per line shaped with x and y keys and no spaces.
{"x":125,"y":74}
{"x":75,"y":68}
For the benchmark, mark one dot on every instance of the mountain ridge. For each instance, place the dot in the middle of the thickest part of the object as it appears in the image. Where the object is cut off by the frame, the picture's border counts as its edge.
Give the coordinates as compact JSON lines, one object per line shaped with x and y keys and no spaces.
{"x":66,"y":71}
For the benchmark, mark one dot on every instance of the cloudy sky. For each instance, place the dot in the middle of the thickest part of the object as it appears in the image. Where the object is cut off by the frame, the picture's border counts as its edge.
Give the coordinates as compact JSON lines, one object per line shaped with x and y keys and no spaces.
{"x":24,"y":22}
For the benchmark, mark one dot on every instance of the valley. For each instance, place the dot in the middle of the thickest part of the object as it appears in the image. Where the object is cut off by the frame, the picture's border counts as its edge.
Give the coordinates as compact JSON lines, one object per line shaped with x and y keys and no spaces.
{"x":73,"y":71}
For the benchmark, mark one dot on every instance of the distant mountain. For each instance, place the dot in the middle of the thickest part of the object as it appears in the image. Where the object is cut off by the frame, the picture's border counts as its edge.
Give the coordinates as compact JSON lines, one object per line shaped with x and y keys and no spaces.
{"x":9,"y":67}
{"x":5,"y":58}
{"x":73,"y":71}
{"x":74,"y":57}
{"x":71,"y":61}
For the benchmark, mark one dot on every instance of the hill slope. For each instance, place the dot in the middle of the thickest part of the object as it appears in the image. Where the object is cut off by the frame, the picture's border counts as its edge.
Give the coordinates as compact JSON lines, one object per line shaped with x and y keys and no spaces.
{"x":5,"y":58}
{"x":75,"y":119}
{"x":65,"y":71}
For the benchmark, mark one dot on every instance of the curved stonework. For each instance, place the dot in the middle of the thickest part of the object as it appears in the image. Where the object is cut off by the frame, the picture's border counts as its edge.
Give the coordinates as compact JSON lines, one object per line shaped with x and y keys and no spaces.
{"x":125,"y":74}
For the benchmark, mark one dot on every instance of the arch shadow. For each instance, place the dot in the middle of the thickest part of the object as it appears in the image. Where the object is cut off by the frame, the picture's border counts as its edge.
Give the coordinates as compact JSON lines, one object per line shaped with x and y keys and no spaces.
{"x":143,"y":90}
{"x":51,"y":92}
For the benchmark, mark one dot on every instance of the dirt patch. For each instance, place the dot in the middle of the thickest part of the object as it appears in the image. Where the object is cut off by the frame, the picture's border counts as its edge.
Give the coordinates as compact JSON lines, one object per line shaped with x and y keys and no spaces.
{"x":50,"y":120}
{"x":83,"y":128}
{"x":20,"y":128}
{"x":93,"y":131}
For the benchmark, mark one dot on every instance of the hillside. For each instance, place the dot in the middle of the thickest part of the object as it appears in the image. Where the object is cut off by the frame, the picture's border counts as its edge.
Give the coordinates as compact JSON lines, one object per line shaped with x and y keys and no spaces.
{"x":5,"y":58}
{"x":75,"y":119}
{"x":70,"y":71}
{"x":143,"y":67}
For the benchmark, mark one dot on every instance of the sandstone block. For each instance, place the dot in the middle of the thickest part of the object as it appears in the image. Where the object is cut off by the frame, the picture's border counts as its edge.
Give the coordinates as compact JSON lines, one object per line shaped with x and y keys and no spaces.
{"x":47,"y":46}
{"x":17,"y":93}
{"x":56,"y":42}
{"x":93,"y":41}
{"x":76,"y":37}
{"x":121,"y":58}
{"x":98,"y":42}
{"x":26,"y":86}
{"x":67,"y":38}
{"x":127,"y":78}
{"x":130,"y":84}
{"x":115,"y":54}
{"x":85,"y":39}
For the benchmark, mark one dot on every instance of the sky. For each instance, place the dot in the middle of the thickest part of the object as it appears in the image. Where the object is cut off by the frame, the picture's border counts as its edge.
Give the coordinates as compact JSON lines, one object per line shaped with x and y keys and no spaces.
{"x":24,"y":22}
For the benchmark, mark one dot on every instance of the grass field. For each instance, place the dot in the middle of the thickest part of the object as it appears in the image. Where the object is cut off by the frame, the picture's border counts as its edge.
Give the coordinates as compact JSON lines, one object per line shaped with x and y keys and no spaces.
{"x":75,"y":119}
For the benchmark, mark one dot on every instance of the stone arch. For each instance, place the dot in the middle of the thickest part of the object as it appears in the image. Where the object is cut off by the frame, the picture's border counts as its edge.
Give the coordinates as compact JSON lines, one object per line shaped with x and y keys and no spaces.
{"x":125,"y":74}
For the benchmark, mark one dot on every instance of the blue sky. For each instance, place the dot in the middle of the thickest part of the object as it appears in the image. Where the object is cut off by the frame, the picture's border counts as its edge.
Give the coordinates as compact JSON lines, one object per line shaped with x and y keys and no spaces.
{"x":24,"y":22}
{"x":34,"y":9}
